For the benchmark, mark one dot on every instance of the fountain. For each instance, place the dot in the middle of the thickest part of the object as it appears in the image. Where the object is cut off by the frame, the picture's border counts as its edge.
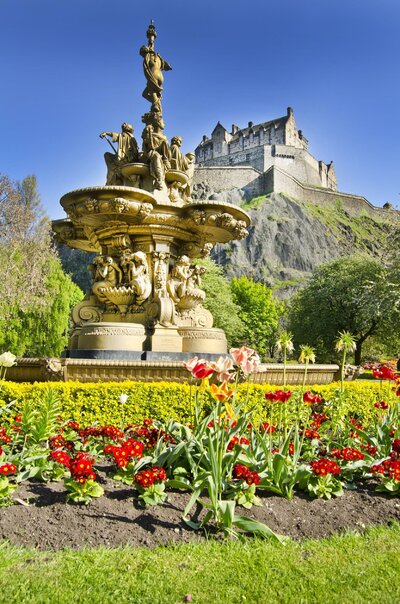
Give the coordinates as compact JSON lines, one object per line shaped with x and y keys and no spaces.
{"x":146,"y":300}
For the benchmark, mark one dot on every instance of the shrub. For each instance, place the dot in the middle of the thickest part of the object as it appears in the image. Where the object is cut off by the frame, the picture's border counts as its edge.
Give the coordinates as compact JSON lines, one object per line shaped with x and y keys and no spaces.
{"x":99,"y":402}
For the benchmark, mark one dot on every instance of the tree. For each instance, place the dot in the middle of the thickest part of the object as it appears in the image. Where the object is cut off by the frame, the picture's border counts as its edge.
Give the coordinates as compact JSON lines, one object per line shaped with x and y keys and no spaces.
{"x":36,"y":294}
{"x":25,"y":246}
{"x":75,"y":263}
{"x":219,"y":301}
{"x":259,"y":311}
{"x":355,"y":294}
{"x":345,"y":343}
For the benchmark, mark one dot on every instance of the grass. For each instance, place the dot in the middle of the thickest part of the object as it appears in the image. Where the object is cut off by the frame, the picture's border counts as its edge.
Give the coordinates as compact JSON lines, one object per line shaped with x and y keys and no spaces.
{"x":352,"y":568}
{"x":254,"y":202}
{"x":364,"y":228}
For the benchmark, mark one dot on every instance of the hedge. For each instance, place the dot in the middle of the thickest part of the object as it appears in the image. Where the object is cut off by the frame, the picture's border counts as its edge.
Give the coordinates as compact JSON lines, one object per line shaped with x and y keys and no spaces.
{"x":87,"y":403}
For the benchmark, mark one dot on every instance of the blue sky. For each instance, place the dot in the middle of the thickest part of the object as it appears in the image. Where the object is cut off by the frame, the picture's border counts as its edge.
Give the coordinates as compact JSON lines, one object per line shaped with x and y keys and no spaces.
{"x":70,"y":69}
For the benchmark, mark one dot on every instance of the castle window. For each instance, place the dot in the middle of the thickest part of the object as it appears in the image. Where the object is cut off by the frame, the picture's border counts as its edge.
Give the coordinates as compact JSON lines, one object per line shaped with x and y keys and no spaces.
{"x":248,"y":156}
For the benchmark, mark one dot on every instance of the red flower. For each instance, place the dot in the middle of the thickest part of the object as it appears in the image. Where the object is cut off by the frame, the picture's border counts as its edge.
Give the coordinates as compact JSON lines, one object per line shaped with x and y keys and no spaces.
{"x":199,"y":369}
{"x":396,"y":445}
{"x":4,"y":438}
{"x":8,"y":468}
{"x":383,"y":373}
{"x":147,"y":422}
{"x":61,"y":457}
{"x":237,"y":441}
{"x":202,"y":371}
{"x":144,"y":478}
{"x":232,"y":443}
{"x":240,"y":471}
{"x":371,"y":449}
{"x":110,"y":432}
{"x":57,"y":442}
{"x":381,"y":405}
{"x":280,"y":396}
{"x":81,"y":467}
{"x":322,"y":467}
{"x":312,"y":399}
{"x":347,"y":454}
{"x":159,"y":473}
{"x":268,"y":428}
{"x":73,"y":425}
{"x":134,"y":448}
{"x":311,"y":434}
{"x":252,"y":478}
{"x":318,"y":419}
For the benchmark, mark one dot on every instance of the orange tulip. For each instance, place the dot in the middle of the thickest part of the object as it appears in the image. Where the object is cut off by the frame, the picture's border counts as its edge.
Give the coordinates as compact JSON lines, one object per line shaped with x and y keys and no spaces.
{"x":221,"y":393}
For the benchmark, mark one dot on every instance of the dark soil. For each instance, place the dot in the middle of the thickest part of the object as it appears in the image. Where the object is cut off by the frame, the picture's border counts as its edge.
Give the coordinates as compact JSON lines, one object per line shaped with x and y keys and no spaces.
{"x":116,"y":519}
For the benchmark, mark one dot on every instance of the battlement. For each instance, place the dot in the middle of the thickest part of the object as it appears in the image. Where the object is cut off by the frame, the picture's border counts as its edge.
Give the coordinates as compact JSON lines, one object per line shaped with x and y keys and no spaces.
{"x":277,"y":143}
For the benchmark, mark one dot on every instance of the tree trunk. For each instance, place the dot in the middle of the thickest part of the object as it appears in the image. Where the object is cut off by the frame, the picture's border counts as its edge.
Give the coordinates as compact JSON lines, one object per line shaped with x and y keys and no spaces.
{"x":357,"y":352}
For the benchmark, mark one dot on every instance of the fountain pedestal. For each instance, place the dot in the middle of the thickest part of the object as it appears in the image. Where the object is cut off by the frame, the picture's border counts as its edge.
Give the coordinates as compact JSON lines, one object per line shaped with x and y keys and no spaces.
{"x":147,"y":294}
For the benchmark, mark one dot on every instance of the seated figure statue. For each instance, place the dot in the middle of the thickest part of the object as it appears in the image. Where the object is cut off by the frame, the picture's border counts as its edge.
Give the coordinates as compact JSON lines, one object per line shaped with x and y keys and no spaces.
{"x":184,"y":283}
{"x":178,"y":160}
{"x":135,"y":272}
{"x":106,"y":273}
{"x":128,"y":152}
{"x":156,"y":151}
{"x":178,"y":278}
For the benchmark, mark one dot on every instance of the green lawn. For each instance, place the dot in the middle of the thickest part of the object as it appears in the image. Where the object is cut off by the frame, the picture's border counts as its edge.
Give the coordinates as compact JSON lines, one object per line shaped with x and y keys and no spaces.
{"x":347,"y":569}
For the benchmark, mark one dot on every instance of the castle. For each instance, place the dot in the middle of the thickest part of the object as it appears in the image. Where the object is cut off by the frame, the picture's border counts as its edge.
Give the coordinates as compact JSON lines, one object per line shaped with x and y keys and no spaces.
{"x":275,"y":143}
{"x":271,"y":157}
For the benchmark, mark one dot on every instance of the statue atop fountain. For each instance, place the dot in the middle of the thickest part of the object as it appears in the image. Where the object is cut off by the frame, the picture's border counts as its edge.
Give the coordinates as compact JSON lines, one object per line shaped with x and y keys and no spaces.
{"x":146,"y":301}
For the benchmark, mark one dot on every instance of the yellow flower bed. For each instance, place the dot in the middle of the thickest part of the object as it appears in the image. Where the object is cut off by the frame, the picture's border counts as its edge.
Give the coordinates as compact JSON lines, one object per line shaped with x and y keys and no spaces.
{"x":99,"y":402}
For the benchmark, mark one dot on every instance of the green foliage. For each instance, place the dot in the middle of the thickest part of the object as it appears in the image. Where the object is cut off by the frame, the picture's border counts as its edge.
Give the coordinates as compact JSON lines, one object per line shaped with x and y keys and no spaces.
{"x":364,"y":231}
{"x":351,"y":294}
{"x":74,"y":263}
{"x":324,"y":486}
{"x":7,"y":488}
{"x":40,"y":422}
{"x":259,"y":311}
{"x":82,"y":492}
{"x":253,"y":203}
{"x":99,"y":402}
{"x":42,"y":330}
{"x":219,"y":301}
{"x":36,"y":294}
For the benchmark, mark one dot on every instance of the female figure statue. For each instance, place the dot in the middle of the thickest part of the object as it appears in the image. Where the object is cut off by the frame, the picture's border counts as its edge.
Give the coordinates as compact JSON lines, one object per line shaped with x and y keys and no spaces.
{"x":153,"y":66}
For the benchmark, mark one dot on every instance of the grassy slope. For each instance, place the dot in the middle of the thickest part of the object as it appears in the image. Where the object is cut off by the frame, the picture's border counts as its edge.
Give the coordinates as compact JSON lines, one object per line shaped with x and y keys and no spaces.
{"x":367,"y":231}
{"x":351,"y":568}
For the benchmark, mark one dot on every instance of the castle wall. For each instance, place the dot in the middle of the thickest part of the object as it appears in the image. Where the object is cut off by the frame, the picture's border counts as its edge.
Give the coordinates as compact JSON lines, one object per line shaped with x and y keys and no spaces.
{"x":280,"y":182}
{"x":254,"y":183}
{"x":296,"y":161}
{"x":229,"y":178}
{"x":248,"y":157}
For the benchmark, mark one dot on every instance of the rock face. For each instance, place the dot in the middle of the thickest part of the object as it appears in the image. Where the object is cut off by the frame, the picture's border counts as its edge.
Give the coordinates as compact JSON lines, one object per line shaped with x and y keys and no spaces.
{"x":288,"y":239}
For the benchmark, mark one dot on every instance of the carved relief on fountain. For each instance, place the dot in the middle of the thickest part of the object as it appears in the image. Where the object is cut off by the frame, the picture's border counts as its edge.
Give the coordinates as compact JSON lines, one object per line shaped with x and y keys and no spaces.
{"x":144,"y":288}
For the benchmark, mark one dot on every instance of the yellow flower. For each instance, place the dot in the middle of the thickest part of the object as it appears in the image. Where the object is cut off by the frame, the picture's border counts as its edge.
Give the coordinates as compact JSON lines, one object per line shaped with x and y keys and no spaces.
{"x":204,"y":384}
{"x":221,"y":393}
{"x":230,"y":414}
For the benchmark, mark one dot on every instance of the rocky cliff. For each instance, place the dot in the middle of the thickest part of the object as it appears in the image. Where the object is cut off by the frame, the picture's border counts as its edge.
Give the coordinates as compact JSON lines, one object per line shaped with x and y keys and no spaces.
{"x":288,"y":239}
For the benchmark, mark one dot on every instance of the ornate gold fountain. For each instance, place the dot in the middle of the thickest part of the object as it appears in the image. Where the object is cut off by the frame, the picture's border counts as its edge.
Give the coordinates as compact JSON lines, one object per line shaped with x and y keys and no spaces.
{"x":146,"y":298}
